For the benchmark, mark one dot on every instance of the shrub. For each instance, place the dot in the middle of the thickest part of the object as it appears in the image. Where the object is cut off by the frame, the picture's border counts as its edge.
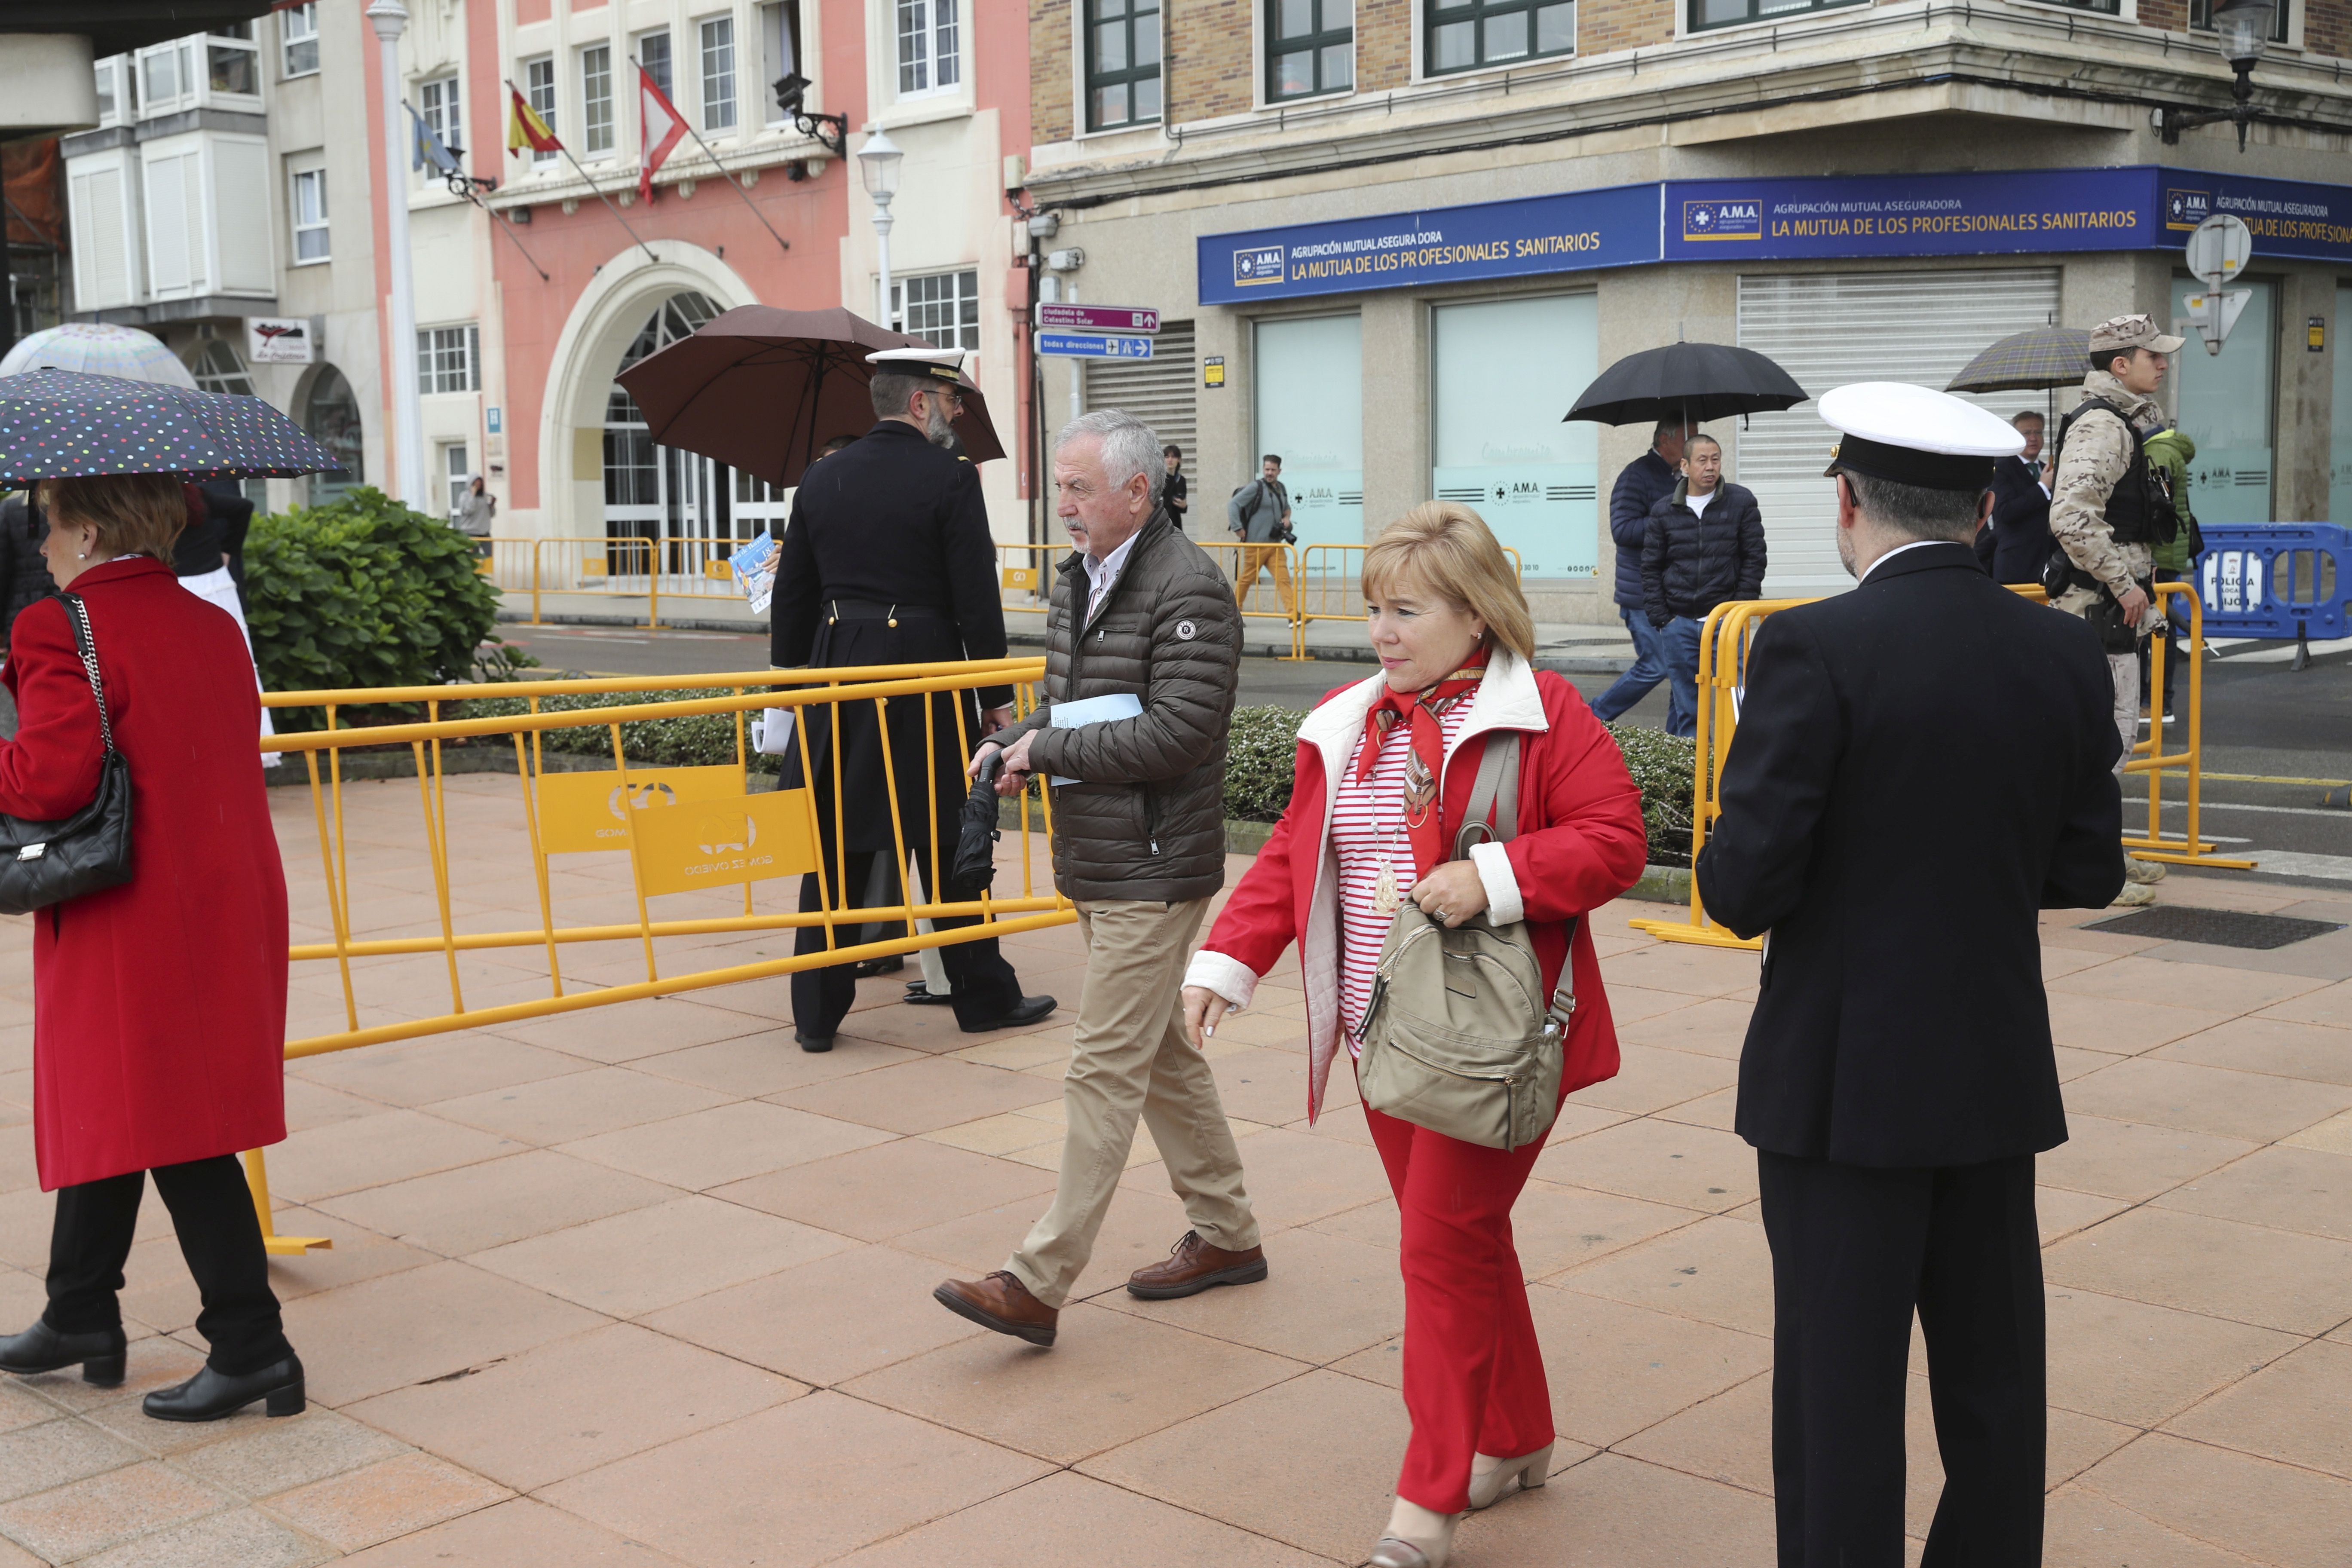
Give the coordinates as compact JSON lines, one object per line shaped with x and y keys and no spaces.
{"x":693,"y":740}
{"x":1661,"y":766}
{"x":1261,"y":758}
{"x":361,"y":591}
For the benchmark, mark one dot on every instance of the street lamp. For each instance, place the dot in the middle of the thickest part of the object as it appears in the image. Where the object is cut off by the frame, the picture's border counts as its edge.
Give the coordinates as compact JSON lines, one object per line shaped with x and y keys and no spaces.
{"x":2240,"y":28}
{"x":390,"y":19}
{"x":878,"y":165}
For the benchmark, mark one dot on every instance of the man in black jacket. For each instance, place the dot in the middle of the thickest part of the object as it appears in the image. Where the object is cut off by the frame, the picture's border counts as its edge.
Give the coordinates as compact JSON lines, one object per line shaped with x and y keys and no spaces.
{"x":1898,"y":1078}
{"x":2018,"y":540}
{"x":1639,"y":488}
{"x":888,"y":560}
{"x":1702,"y":545}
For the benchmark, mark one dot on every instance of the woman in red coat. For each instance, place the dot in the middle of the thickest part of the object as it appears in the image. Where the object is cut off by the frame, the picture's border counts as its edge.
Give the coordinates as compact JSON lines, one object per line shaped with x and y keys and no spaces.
{"x":159,"y":1006}
{"x":1385,"y":768}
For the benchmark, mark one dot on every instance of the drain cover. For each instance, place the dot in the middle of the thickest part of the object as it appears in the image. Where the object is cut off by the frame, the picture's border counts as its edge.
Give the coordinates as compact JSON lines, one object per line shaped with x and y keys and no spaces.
{"x":2219,"y":928}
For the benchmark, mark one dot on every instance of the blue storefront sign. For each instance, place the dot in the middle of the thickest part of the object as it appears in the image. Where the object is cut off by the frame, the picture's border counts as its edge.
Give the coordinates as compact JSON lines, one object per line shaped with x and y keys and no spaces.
{"x":1617,"y":227}
{"x":2037,"y":211}
{"x":2011,"y":212}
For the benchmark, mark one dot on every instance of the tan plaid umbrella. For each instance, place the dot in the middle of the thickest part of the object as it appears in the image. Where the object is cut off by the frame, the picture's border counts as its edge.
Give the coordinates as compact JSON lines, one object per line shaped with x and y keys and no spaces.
{"x":2028,"y":362}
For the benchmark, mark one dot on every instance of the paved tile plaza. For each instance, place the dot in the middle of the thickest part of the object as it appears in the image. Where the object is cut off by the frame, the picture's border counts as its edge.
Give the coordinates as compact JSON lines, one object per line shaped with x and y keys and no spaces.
{"x":648,"y":1285}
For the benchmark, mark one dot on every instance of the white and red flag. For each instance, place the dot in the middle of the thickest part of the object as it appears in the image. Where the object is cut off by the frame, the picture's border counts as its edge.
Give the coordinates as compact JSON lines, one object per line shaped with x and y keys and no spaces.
{"x":662,"y":126}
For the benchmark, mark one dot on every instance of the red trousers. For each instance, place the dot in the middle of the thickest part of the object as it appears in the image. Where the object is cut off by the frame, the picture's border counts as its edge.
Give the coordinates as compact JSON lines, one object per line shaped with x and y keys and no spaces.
{"x":1473,"y":1376}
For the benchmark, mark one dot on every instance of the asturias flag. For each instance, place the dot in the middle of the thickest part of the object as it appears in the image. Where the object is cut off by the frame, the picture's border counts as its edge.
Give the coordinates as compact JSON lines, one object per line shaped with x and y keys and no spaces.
{"x":526,"y":128}
{"x":662,"y":126}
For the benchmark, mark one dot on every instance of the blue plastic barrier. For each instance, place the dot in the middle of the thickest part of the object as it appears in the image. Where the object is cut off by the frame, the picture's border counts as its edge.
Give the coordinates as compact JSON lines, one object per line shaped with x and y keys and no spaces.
{"x":2276,"y":579}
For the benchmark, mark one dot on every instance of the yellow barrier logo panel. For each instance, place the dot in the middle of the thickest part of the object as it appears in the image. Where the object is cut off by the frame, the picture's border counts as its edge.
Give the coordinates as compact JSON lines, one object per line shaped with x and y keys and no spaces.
{"x":581,"y":812}
{"x":1022,"y":578}
{"x":715,"y":843}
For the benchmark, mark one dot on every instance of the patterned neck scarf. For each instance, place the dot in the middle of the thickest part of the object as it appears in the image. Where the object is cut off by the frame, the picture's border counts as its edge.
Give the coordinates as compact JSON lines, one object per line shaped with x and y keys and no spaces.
{"x":1424,"y":710}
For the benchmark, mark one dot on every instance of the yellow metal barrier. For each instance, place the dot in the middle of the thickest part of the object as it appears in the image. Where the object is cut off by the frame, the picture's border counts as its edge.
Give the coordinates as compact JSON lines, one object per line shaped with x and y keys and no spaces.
{"x":618,"y":567}
{"x":1724,"y":639}
{"x":1724,"y":643}
{"x":1024,"y":575}
{"x":691,"y":832}
{"x":1280,"y":603}
{"x":1330,"y":582}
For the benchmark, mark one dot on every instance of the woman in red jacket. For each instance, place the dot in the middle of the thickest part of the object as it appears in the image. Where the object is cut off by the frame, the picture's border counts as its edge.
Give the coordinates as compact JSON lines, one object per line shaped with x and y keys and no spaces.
{"x":1385,"y":768}
{"x":159,"y":1006}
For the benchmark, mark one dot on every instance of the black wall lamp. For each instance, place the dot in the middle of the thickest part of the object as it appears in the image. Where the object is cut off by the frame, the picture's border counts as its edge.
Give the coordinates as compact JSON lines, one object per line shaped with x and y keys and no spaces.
{"x":2241,"y":27}
{"x":792,"y":87}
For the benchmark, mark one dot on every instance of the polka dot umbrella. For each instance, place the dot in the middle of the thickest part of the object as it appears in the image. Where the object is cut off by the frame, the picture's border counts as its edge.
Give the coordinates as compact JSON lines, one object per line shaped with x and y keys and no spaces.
{"x":58,"y":424}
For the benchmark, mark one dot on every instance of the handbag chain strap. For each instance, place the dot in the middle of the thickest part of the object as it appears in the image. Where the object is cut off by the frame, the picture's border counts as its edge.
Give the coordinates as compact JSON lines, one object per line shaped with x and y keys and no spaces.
{"x":78,"y":613}
{"x":1496,"y":792}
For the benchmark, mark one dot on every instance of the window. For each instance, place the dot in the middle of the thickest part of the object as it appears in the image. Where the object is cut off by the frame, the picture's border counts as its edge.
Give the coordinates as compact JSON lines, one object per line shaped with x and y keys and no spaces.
{"x":331,"y":416}
{"x":2200,"y":18}
{"x":539,"y":92}
{"x":456,"y":474}
{"x":218,"y":369}
{"x":719,"y":74}
{"x":1464,"y":34}
{"x":931,"y":55}
{"x":1705,"y":14}
{"x":653,"y":53}
{"x":106,"y":72}
{"x":169,"y":73}
{"x":1494,"y":368}
{"x":297,"y":38}
{"x":447,"y":358}
{"x":944,"y":309}
{"x":232,"y":59}
{"x":1311,"y":47}
{"x":310,"y":211}
{"x":1122,"y":63}
{"x":438,"y":107}
{"x":780,"y":34}
{"x":595,"y":98}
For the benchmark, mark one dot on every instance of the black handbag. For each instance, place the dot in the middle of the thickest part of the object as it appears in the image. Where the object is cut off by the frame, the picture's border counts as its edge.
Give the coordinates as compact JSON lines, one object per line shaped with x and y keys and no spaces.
{"x":46,"y":863}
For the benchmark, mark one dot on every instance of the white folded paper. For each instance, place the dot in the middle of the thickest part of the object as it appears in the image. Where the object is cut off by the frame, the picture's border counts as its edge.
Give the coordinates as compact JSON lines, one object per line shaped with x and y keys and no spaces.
{"x":1094,"y":711}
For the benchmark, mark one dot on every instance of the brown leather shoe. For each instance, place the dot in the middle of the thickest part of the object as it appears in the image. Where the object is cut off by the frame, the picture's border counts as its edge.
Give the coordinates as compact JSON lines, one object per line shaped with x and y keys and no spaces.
{"x":1000,"y":1302}
{"x":1193,"y":1266}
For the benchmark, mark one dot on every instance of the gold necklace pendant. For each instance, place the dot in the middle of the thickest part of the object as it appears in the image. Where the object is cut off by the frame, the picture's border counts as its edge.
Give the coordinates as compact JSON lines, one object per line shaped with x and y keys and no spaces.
{"x":1387,"y":898}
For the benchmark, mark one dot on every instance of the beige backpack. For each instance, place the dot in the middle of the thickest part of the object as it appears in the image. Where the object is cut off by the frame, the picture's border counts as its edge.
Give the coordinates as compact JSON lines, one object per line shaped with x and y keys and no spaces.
{"x":1457,"y":1036}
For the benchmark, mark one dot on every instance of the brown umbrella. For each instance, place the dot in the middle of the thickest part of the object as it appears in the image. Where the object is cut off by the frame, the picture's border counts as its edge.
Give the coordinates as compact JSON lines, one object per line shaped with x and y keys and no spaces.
{"x":760,"y":388}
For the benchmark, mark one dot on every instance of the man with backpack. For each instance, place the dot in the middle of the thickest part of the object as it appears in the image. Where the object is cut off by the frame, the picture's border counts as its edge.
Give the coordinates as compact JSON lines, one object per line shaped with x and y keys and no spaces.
{"x":2110,"y":507}
{"x":1259,"y":516}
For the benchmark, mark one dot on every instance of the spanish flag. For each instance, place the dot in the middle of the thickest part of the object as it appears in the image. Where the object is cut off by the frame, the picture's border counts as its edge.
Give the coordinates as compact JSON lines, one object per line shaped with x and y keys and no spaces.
{"x":526,"y":128}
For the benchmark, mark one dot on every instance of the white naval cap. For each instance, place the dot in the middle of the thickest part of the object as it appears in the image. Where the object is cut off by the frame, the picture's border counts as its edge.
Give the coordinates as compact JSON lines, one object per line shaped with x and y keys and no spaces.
{"x":1910,"y":434}
{"x":946,"y":364}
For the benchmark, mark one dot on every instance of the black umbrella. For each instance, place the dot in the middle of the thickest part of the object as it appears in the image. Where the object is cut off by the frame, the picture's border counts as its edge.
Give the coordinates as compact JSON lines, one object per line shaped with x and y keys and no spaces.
{"x":1696,"y":381}
{"x":60,"y":424}
{"x":975,"y":855}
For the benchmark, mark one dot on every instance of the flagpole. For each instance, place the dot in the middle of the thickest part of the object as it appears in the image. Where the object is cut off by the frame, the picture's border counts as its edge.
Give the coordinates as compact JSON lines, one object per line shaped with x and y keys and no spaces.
{"x":740,"y":191}
{"x":512,"y":235}
{"x":592,"y":186}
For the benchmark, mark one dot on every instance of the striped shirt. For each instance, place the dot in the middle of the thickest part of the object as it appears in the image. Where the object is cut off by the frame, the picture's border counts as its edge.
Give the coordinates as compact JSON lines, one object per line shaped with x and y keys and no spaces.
{"x":1367,"y":827}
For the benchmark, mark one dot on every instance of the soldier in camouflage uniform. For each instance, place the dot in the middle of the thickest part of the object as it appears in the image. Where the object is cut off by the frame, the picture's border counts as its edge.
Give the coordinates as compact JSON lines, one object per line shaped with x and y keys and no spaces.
{"x":2108,"y":508}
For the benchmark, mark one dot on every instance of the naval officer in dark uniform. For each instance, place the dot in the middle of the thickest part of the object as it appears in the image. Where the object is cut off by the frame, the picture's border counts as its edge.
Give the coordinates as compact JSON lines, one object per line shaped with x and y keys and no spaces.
{"x":1898,"y":1078}
{"x":888,"y":560}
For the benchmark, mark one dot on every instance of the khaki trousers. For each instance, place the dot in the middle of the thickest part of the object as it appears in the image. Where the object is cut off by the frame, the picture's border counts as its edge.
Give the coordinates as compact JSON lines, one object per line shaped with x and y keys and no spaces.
{"x":1131,"y":1060}
{"x":1256,"y":558}
{"x":2124,"y":668}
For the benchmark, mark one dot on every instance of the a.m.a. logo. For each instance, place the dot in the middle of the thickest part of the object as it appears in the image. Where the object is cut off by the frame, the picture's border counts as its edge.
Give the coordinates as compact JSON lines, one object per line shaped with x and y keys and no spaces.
{"x":2185,"y":209}
{"x":1258,"y":264}
{"x":1723,"y":220}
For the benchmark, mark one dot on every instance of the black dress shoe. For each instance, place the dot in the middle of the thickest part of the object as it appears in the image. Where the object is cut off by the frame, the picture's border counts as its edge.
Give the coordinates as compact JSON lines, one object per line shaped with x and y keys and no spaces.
{"x":1028,"y":1010}
{"x":812,"y":1042}
{"x":42,"y":1349}
{"x":867,"y":968}
{"x":210,"y":1395}
{"x":920,"y":994}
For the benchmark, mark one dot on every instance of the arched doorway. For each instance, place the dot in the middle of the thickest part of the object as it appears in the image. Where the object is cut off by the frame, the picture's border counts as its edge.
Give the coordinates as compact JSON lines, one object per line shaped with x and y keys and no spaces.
{"x":330,"y":416}
{"x":699,"y":509}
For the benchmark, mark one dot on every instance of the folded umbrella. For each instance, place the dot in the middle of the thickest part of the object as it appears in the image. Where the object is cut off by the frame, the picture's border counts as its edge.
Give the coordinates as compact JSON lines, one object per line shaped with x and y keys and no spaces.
{"x":59,"y":424}
{"x":1694,"y":381}
{"x":2031,"y":360}
{"x":761,"y":389}
{"x":975,"y":855}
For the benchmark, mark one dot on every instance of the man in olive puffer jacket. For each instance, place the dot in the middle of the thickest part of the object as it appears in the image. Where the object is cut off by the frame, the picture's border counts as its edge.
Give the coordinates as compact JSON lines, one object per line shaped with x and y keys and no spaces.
{"x":1704,"y":545}
{"x":1140,"y":846}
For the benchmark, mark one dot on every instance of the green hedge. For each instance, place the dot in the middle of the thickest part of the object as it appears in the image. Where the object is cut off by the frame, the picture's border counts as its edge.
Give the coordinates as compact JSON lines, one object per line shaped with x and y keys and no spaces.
{"x":361,"y":591}
{"x":694,"y":740}
{"x":1261,"y":758}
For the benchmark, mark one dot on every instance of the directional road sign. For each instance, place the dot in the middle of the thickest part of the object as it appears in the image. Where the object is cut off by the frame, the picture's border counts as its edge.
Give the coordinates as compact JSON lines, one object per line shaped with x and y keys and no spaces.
{"x":1099,"y":317}
{"x":2220,"y":251}
{"x":1092,"y":345}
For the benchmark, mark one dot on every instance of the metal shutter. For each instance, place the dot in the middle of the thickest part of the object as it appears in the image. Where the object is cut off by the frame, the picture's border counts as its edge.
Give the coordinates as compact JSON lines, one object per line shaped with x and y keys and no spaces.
{"x":1157,"y":391}
{"x":1827,"y":329}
